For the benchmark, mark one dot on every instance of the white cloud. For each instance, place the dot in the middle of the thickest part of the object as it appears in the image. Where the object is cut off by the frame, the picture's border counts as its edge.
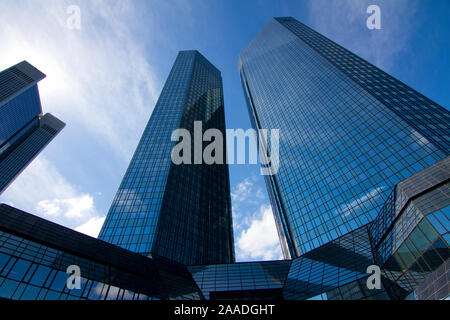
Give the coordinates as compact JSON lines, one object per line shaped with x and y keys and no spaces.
{"x":246,"y":196}
{"x":260,"y":241}
{"x":49,"y":208}
{"x":246,"y":191}
{"x":76,"y":207}
{"x":98,"y":79}
{"x":42,"y":190}
{"x":242,"y":191}
{"x":91,"y":227}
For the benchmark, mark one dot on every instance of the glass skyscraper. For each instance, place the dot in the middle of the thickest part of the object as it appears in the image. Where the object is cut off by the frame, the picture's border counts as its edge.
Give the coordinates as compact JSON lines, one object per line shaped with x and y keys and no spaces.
{"x":349,"y":132}
{"x":181,"y":212}
{"x":24,"y":130}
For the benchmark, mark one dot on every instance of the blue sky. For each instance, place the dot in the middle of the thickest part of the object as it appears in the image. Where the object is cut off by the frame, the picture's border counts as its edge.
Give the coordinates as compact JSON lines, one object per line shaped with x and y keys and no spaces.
{"x":104,"y":80}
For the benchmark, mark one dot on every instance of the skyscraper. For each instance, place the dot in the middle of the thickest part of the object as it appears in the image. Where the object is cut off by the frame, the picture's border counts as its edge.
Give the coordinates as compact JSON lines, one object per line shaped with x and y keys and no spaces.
{"x":181,"y":212}
{"x":24,"y":131}
{"x":349,"y":132}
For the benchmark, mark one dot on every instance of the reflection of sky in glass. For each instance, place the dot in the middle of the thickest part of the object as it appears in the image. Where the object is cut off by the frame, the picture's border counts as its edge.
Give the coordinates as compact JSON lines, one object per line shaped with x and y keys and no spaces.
{"x":343,"y":145}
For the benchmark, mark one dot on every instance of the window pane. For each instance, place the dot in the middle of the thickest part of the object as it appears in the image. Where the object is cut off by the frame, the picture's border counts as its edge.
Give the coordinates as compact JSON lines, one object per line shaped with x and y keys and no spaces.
{"x":40,"y":276}
{"x":19,"y":269}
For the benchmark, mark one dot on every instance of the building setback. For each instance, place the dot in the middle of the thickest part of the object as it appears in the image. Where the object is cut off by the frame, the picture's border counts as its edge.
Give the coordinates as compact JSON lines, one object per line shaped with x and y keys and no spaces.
{"x":24,"y":130}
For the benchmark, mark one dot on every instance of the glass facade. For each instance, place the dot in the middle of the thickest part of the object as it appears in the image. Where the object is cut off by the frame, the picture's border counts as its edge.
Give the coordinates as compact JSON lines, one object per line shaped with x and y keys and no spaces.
{"x":18,"y":112}
{"x":246,"y":280}
{"x":35,"y":255}
{"x":19,"y":99}
{"x":28,"y":145}
{"x":436,"y":286}
{"x":24,"y":132}
{"x":181,"y":212}
{"x":17,"y":79}
{"x":349,"y":132}
{"x":329,"y":271}
{"x":411,"y":235}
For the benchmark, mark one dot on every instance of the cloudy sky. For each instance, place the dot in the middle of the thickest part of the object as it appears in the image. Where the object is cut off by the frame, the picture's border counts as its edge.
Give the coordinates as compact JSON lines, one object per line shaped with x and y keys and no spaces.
{"x":103,"y":80}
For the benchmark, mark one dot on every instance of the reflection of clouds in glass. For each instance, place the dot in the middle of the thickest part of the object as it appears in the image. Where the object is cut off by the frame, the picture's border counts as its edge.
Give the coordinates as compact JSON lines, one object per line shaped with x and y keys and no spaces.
{"x":418,"y":138}
{"x":344,"y":25}
{"x":246,"y":191}
{"x":98,"y":288}
{"x":101,"y":288}
{"x":356,"y":204}
{"x":77,"y":291}
{"x":112,"y":293}
{"x":127,"y":295}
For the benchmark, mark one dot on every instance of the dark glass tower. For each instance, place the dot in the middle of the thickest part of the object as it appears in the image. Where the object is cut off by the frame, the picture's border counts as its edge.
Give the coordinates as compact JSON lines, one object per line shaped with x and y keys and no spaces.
{"x":334,"y":132}
{"x":24,"y":131}
{"x":181,"y":212}
{"x":349,"y":132}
